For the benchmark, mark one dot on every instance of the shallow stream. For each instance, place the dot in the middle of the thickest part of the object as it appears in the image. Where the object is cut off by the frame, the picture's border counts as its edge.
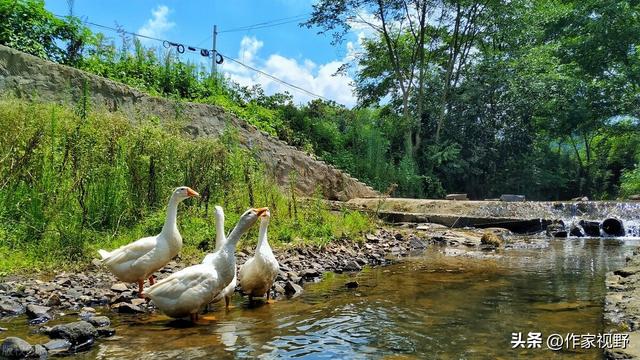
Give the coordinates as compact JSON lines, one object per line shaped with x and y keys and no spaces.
{"x":430,"y":306}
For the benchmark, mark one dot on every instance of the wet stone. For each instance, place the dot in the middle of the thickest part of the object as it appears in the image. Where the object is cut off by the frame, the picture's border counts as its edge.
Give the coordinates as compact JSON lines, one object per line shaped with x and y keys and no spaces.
{"x":76,"y":332}
{"x":126,"y":308}
{"x":106,"y":332}
{"x":352,"y":284}
{"x":56,"y":346}
{"x":16,"y":348}
{"x":292,"y":289}
{"x":11,"y":307}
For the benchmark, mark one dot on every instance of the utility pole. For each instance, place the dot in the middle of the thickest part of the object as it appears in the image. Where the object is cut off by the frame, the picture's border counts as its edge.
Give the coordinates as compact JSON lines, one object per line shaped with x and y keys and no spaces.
{"x":214,"y":69}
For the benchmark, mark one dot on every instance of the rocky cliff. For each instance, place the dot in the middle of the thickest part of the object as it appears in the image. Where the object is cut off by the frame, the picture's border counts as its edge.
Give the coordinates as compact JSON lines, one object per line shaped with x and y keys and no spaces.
{"x":30,"y":77}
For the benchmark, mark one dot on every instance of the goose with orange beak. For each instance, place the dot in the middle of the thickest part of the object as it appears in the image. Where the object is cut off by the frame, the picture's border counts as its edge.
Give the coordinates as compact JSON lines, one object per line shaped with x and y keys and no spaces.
{"x":186,"y":292}
{"x":257,"y":275}
{"x":138,"y":260}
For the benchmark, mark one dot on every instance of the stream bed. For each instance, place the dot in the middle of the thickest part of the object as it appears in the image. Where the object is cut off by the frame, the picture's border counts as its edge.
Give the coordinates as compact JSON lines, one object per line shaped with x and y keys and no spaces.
{"x":429,"y":306}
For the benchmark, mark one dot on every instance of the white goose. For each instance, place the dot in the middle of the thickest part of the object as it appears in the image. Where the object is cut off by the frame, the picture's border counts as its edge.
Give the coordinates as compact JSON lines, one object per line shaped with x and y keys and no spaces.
{"x":138,"y":260}
{"x":184,"y":293}
{"x":259,"y":272}
{"x":221,"y":239}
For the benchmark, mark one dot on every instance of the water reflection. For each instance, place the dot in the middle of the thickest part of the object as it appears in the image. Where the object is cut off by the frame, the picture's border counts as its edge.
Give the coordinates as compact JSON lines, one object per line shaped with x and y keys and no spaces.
{"x":433,"y":306}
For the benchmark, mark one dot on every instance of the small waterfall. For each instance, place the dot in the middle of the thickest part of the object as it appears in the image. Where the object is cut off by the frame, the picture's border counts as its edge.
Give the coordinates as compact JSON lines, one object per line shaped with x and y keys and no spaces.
{"x":581,"y":216}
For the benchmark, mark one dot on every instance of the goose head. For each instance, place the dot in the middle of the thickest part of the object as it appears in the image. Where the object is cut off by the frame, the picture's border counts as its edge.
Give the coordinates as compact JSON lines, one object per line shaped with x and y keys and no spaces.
{"x":265,"y":217}
{"x":184,"y":192}
{"x":246,"y":221}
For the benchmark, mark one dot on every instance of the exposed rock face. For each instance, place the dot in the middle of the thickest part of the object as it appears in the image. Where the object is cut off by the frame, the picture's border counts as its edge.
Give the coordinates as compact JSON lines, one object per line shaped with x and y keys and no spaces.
{"x":28,"y":76}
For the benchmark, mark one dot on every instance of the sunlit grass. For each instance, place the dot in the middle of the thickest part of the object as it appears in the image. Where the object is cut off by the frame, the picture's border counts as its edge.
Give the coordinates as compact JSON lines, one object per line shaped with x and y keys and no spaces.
{"x":74,"y":181}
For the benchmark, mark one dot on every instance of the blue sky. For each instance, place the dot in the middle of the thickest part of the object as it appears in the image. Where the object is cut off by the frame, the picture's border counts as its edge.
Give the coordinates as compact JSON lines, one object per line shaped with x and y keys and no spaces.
{"x":292,"y":53}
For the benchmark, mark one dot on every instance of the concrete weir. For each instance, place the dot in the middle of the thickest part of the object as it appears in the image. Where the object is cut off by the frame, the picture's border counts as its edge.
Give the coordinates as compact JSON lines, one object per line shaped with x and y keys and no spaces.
{"x":519,"y":217}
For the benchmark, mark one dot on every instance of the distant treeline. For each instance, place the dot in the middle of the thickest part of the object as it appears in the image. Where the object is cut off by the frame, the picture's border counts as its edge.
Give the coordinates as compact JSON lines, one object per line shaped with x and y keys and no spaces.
{"x":536,"y":97}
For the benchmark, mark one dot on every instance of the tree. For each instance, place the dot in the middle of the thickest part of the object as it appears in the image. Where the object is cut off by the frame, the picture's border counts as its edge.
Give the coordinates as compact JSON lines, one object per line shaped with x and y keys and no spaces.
{"x":27,"y":26}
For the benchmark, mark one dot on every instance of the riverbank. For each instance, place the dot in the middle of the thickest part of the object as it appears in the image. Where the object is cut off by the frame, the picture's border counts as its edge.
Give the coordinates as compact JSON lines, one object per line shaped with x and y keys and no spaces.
{"x":622,"y":306}
{"x":94,"y":293}
{"x":95,"y":286}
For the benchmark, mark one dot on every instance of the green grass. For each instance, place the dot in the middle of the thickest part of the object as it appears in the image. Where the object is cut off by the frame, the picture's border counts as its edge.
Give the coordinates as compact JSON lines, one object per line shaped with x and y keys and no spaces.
{"x":76,"y":180}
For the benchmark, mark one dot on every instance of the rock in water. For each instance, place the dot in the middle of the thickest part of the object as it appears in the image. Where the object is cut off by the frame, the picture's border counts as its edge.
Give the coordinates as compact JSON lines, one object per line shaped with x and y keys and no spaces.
{"x":292,"y":289}
{"x":492,"y":239}
{"x":10,"y":307}
{"x":126,"y":308}
{"x":58,"y":346}
{"x":76,"y":332}
{"x":16,"y":348}
{"x":577,"y":230}
{"x":99,"y":321}
{"x":352,"y":284}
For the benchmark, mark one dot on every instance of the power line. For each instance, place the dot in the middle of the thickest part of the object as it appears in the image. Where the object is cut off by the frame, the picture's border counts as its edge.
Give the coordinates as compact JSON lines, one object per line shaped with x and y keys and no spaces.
{"x":164,"y":41}
{"x":269,"y":23}
{"x":275,"y":78}
{"x":122,"y":31}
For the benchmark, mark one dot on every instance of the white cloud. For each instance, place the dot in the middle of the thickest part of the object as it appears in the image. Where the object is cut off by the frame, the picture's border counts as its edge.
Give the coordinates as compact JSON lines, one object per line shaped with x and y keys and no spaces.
{"x":158,"y":24}
{"x":316,"y":78}
{"x":249,"y":46}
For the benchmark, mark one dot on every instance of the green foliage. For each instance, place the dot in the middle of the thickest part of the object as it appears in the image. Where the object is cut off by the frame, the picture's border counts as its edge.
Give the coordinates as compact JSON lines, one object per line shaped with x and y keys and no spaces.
{"x":72,"y":184}
{"x":514,"y":96}
{"x":28,"y":27}
{"x":631,"y":182}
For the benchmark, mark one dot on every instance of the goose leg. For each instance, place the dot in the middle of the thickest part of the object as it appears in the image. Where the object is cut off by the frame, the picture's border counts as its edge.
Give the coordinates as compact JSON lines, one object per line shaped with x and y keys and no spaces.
{"x":140,"y":289}
{"x":226,"y":302}
{"x":152,"y":280}
{"x":194,"y":317}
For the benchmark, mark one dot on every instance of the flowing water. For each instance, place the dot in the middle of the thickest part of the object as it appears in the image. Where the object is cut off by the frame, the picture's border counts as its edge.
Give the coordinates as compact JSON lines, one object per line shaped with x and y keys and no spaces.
{"x":431,"y":306}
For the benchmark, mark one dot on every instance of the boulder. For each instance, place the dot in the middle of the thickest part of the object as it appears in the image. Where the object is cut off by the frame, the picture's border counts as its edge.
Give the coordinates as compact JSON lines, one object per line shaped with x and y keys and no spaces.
{"x":16,"y":348}
{"x":78,"y":332}
{"x":591,"y":228}
{"x":577,"y":231}
{"x":613,"y":227}
{"x":635,"y":197}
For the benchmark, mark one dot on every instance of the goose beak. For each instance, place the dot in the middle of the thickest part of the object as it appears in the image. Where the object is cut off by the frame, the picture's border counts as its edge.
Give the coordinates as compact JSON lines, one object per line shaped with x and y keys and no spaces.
{"x":261,"y":211}
{"x":192,"y":193}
